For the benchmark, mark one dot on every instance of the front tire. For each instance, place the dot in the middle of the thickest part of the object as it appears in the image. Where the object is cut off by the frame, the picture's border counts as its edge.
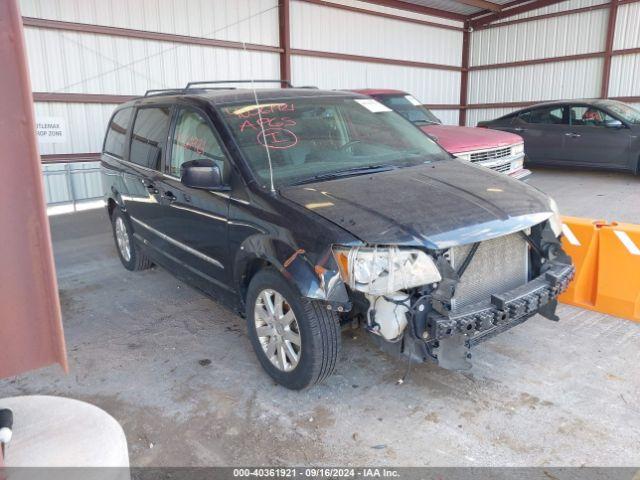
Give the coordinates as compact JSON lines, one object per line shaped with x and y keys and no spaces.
{"x":130,"y":256}
{"x":296,"y":340}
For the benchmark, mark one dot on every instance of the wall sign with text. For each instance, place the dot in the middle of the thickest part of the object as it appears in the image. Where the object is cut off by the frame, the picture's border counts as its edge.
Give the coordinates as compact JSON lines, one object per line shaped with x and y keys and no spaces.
{"x":51,"y":130}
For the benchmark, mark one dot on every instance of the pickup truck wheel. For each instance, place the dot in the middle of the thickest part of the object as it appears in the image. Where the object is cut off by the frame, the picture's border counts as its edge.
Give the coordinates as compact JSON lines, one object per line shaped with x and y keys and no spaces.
{"x":130,"y":256}
{"x":296,"y":340}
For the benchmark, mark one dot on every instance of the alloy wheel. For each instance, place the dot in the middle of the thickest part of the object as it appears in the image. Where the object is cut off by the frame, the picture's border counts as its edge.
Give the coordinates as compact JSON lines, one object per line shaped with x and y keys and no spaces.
{"x":277,"y":330}
{"x":122,"y":239}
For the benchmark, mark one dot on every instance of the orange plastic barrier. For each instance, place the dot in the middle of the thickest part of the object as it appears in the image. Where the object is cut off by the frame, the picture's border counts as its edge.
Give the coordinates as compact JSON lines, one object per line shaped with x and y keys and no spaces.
{"x":607,"y":259}
{"x":580,"y":241}
{"x":619,"y":270}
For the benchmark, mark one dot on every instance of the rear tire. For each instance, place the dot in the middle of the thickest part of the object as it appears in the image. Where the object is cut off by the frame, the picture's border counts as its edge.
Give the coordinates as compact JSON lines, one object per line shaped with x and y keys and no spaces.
{"x":296,"y":340}
{"x":131,"y":257}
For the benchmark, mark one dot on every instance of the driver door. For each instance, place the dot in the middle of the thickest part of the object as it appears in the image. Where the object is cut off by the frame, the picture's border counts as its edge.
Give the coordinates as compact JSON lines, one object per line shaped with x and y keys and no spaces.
{"x":194,"y":219}
{"x":590,"y":142}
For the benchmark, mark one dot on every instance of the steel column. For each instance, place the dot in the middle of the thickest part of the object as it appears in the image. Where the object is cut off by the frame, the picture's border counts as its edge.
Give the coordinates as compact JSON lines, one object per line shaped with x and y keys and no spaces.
{"x":606,"y":67}
{"x":284,"y":22}
{"x":464,"y":75}
{"x":30,"y":318}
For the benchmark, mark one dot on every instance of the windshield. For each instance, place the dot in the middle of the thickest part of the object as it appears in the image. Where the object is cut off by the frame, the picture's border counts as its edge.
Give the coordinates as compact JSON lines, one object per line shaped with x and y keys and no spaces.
{"x":624,"y":111}
{"x":409,"y":108}
{"x":313,"y":137}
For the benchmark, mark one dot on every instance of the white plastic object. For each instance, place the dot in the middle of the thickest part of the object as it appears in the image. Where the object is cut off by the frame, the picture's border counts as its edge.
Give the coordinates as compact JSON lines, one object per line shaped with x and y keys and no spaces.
{"x":390,"y":314}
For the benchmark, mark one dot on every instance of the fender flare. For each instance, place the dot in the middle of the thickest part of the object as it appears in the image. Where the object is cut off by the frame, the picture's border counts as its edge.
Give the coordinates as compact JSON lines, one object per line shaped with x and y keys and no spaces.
{"x":318,"y":280}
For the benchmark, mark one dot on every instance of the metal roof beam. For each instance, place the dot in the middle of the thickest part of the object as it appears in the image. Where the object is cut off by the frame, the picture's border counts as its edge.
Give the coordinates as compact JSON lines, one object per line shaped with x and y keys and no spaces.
{"x":477,"y":22}
{"x":504,"y":6}
{"x":483,"y":4}
{"x":412,"y":7}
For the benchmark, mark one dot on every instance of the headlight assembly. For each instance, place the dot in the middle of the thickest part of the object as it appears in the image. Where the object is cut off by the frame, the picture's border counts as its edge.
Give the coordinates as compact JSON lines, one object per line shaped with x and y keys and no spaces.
{"x":384,"y":270}
{"x":517,"y":149}
{"x":555,"y":222}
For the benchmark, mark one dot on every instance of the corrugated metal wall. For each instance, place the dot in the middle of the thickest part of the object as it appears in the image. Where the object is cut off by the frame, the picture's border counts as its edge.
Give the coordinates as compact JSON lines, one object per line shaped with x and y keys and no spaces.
{"x":571,"y":34}
{"x":553,"y":37}
{"x":251,"y":21}
{"x":317,"y":27}
{"x":362,"y":34}
{"x":624,"y":68}
{"x":68,"y":182}
{"x":85,"y":123}
{"x":75,"y":62}
{"x":427,"y":85}
{"x":479,"y":114}
{"x":547,"y":81}
{"x":627,"y":26}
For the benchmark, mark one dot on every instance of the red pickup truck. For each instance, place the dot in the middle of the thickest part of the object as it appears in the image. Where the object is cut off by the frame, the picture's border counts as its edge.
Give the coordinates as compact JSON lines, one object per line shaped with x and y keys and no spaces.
{"x":499,"y":151}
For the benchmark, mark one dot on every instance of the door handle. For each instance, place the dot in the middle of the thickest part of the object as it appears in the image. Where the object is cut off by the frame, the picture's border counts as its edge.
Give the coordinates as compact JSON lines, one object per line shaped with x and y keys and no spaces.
{"x":572,"y":135}
{"x":149,"y":186}
{"x":169,"y":196}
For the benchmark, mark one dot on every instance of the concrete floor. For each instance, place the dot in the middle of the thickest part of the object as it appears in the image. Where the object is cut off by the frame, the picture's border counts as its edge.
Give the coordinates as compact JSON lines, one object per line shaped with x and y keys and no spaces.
{"x":178,"y":372}
{"x":599,"y":195}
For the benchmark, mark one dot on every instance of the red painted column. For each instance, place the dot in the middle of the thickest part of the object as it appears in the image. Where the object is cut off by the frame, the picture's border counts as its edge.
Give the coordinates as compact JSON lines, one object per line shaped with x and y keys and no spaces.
{"x":611,"y":31}
{"x":464,"y":75}
{"x":30,"y":321}
{"x":285,"y":39}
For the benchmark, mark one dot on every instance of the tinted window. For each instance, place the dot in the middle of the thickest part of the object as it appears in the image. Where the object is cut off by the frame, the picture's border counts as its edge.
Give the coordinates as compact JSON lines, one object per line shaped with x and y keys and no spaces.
{"x":114,"y":142}
{"x":149,"y":136}
{"x":194,"y":140}
{"x":589,"y":116}
{"x":409,"y":108}
{"x":548,"y":115}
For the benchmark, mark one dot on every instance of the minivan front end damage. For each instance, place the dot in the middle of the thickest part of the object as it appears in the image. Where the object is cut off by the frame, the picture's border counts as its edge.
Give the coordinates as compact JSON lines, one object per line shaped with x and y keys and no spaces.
{"x":435,"y":305}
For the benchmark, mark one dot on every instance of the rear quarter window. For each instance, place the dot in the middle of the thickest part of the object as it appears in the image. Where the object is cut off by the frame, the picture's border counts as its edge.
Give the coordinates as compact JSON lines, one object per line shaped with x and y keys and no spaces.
{"x":115,"y":139}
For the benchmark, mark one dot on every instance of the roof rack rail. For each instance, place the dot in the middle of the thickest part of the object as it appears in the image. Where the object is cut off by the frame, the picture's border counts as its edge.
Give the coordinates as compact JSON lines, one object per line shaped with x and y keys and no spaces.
{"x":197,"y":85}
{"x":214,"y":82}
{"x":171,"y":91}
{"x":162,"y":91}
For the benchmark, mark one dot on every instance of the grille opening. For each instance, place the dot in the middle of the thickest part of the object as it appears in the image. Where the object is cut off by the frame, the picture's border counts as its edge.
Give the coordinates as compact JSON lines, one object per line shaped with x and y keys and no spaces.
{"x":499,"y":265}
{"x":491,"y":154}
{"x":504,"y":168}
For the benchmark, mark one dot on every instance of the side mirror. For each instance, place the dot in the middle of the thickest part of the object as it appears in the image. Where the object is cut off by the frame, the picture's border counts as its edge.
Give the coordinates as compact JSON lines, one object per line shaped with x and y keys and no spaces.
{"x":614,"y":123}
{"x":203,"y":174}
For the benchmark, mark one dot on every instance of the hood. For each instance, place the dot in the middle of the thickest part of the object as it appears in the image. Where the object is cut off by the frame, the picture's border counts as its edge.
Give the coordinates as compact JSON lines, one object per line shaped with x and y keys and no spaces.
{"x":436,"y":205}
{"x":465,"y":139}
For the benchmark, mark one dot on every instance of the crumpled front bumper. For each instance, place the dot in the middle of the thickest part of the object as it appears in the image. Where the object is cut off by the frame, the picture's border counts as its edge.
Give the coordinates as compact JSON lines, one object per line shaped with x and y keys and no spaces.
{"x":482,"y":321}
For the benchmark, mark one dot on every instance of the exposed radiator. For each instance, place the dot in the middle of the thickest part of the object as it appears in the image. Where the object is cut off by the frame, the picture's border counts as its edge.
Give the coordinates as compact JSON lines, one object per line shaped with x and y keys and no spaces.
{"x":498,"y":265}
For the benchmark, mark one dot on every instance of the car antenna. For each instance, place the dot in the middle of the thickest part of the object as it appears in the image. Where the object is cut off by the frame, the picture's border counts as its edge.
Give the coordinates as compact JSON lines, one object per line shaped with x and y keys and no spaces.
{"x":264,"y":137}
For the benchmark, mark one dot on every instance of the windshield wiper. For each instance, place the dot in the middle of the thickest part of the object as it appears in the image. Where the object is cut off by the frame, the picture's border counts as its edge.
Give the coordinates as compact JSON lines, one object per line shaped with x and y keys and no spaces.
{"x":347,"y":173}
{"x":425,"y":122}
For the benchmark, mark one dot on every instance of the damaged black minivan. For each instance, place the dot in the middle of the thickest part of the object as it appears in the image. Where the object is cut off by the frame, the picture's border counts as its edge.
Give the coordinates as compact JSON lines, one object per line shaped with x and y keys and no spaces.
{"x":307,"y":209}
